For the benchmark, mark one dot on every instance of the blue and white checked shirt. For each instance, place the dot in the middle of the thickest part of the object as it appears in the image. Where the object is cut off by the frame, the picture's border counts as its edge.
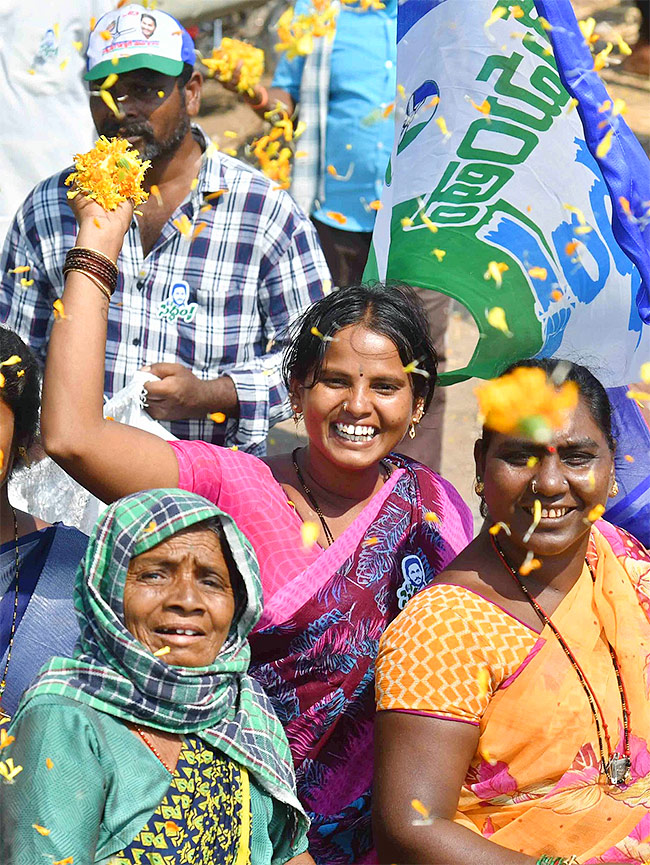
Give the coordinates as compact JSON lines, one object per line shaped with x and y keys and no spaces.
{"x":251,"y":270}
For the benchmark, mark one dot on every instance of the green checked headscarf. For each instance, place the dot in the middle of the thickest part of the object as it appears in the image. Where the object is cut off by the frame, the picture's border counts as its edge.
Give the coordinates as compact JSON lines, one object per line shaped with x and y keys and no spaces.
{"x":114,"y":673}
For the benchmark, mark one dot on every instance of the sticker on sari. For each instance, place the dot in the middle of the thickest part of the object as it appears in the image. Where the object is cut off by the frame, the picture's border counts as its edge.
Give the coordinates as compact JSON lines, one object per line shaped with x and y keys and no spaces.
{"x":177,"y":304}
{"x":415,"y":578}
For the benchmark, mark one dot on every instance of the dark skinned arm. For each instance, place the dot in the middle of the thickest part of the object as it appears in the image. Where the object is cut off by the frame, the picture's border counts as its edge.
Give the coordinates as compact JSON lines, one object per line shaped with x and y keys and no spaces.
{"x":108,"y":458}
{"x":418,"y":757}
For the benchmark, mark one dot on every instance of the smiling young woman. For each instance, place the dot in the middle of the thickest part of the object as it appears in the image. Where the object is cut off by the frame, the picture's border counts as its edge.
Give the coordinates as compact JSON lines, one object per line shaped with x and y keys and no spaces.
{"x":360,"y":370}
{"x":513,"y":700}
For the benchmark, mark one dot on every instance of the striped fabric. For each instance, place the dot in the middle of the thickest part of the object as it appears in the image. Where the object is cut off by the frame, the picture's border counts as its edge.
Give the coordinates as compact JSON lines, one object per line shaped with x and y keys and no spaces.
{"x":114,"y":673}
{"x":254,"y":266}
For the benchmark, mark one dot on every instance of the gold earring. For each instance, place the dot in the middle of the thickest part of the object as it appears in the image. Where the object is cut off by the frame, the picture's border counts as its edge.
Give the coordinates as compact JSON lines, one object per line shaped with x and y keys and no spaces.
{"x":412,"y":429}
{"x":479,"y":487}
{"x":614,"y":490}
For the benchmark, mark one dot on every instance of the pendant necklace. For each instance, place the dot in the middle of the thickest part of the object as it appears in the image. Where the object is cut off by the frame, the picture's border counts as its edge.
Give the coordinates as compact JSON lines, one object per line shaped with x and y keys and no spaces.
{"x":12,"y":633}
{"x":616,"y":767}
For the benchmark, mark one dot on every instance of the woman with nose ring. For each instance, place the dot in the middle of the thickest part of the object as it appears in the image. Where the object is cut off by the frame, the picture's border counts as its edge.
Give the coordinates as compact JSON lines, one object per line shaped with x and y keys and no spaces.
{"x":512,"y":692}
{"x":345,"y":529}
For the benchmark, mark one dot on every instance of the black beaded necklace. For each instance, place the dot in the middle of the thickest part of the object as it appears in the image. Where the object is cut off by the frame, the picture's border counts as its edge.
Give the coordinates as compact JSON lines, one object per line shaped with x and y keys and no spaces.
{"x":615,"y":766}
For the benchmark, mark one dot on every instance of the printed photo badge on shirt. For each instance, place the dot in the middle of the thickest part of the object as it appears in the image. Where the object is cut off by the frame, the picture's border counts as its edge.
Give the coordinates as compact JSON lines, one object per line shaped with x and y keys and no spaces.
{"x":415,"y":578}
{"x":177,"y":304}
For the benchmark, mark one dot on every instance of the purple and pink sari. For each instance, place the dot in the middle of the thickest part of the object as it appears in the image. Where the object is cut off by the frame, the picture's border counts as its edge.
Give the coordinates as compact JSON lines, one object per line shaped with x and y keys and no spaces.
{"x":325,"y":611}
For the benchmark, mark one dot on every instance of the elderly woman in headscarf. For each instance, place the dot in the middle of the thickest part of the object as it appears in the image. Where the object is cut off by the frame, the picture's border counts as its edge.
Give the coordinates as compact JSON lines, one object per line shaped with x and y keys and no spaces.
{"x":153,"y":745}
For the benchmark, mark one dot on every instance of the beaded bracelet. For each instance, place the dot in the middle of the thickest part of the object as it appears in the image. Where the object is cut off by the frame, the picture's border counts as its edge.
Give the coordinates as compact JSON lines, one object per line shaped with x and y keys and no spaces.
{"x":91,"y":261}
{"x":264,"y":100}
{"x":100,"y":285}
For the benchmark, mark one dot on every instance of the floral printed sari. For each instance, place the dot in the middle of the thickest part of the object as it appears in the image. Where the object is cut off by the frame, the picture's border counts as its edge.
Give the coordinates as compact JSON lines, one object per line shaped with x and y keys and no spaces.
{"x":315,"y":651}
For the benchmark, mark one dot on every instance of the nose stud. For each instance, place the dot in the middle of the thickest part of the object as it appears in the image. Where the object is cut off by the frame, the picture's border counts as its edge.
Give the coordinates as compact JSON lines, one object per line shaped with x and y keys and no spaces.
{"x":533,"y":486}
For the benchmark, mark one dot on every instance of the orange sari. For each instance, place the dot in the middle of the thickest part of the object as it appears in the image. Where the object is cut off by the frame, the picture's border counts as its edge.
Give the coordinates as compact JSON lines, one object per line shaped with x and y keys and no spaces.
{"x":533,"y":785}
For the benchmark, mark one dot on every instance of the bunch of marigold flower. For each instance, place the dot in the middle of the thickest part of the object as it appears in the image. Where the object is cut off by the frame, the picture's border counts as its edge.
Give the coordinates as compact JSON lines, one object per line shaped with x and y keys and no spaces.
{"x":225,"y":58}
{"x":297,"y":32}
{"x":526,"y":402}
{"x":272,"y":151}
{"x":110,"y":173}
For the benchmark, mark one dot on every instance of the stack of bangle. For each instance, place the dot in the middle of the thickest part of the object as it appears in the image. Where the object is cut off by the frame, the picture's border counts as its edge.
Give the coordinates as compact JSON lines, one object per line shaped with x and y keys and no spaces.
{"x":263,"y":97}
{"x":557,"y":860}
{"x":95,"y":265}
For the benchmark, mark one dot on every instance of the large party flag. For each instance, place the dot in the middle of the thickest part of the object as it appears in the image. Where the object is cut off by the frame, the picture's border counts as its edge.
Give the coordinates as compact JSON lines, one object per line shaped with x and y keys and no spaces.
{"x":516,"y":187}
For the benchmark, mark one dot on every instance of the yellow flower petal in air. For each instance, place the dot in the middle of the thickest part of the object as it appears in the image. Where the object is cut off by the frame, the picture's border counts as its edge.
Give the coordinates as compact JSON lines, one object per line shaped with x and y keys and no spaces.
{"x":183,"y":225}
{"x":108,"y":100}
{"x":439,"y":253}
{"x":23,"y":268}
{"x":5,"y":739}
{"x":406,"y":222}
{"x":309,"y":532}
{"x":69,"y":860}
{"x":496,"y":317}
{"x":623,"y":47}
{"x":108,"y":82}
{"x":629,"y":458}
{"x":421,"y":809}
{"x":497,"y":527}
{"x":605,"y":145}
{"x":164,"y":650}
{"x":59,"y":311}
{"x":645,"y":373}
{"x":596,"y":513}
{"x":484,"y":682}
{"x":497,"y":13}
{"x":431,"y":517}
{"x":538,"y":272}
{"x":217,"y":417}
{"x":494,"y":271}
{"x":40,"y":829}
{"x":49,"y":764}
{"x":530,"y":563}
{"x":413,"y":367}
{"x":442,"y":125}
{"x":337,"y":217}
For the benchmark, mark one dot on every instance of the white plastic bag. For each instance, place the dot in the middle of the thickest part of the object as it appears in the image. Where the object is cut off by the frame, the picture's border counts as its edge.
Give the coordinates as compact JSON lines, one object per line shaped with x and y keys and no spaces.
{"x":46,"y":491}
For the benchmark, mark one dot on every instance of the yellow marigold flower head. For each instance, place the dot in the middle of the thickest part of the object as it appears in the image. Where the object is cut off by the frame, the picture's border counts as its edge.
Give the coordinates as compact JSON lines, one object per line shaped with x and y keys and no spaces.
{"x":225,"y":58}
{"x":110,"y":173}
{"x":526,"y":402}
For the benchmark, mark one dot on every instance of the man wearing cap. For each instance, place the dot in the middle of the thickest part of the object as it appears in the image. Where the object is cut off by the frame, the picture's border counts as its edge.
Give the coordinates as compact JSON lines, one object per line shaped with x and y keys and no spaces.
{"x":246,"y":258}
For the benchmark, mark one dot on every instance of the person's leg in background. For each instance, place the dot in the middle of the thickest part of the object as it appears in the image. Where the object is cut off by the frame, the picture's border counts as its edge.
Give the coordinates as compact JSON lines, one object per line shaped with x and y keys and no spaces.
{"x":639,"y":60}
{"x":346,"y":252}
{"x":426,"y":447}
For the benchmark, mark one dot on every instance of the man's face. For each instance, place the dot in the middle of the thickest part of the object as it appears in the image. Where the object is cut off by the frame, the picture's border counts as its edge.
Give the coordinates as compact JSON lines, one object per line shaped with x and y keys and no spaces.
{"x":148,"y":26}
{"x":154,"y":125}
{"x":179,"y":295}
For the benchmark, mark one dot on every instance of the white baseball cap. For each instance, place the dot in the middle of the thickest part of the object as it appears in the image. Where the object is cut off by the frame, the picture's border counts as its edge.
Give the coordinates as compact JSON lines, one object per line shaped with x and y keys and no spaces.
{"x":137,"y":38}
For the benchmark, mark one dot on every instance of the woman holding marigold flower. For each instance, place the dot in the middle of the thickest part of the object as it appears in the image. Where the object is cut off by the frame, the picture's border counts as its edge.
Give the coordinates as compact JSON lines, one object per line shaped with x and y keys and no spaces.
{"x":345,"y":529}
{"x":514,"y":724}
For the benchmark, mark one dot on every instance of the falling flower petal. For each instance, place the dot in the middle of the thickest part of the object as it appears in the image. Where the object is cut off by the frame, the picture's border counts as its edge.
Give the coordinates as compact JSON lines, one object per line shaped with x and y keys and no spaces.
{"x":494,"y":271}
{"x":183,"y":225}
{"x":406,"y":222}
{"x":442,"y":124}
{"x":496,"y":317}
{"x":109,"y":81}
{"x":537,"y":515}
{"x":573,"y":102}
{"x":496,"y":528}
{"x":370,"y":542}
{"x":439,"y":253}
{"x":629,"y":458}
{"x":422,"y":810}
{"x":497,"y":13}
{"x":40,"y":829}
{"x":596,"y":513}
{"x":623,"y":47}
{"x":431,"y":517}
{"x":59,"y":311}
{"x":484,"y":682}
{"x":531,"y":462}
{"x":309,"y":532}
{"x":530,"y":563}
{"x":413,"y":367}
{"x":337,"y":217}
{"x":217,"y":417}
{"x":23,"y":268}
{"x":5,"y":739}
{"x":164,"y":650}
{"x":605,"y":145}
{"x":49,"y":763}
{"x":538,"y":272}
